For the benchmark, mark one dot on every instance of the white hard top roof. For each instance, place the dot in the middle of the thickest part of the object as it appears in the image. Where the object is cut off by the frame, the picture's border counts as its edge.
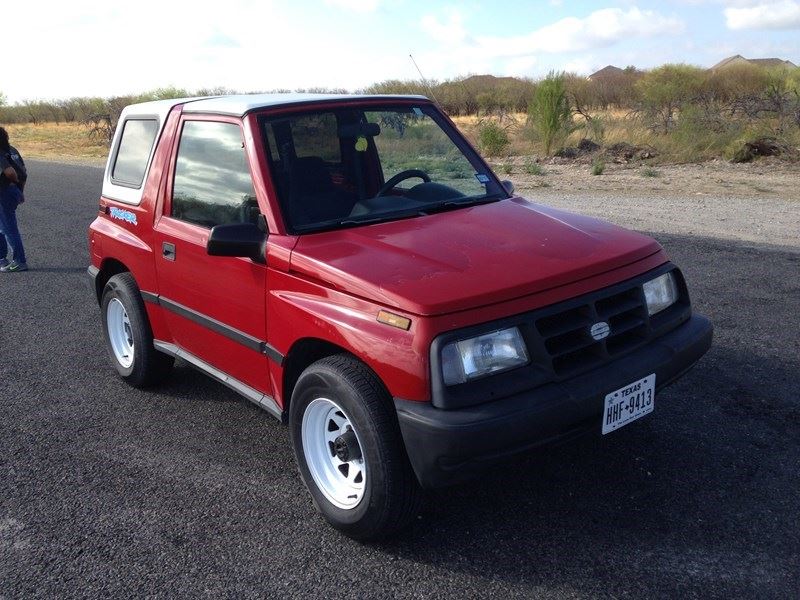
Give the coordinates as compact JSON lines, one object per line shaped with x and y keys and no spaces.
{"x":242,"y":104}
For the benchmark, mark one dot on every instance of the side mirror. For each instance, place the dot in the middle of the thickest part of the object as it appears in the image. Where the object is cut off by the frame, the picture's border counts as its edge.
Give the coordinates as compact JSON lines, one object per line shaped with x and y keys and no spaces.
{"x":508,"y":186}
{"x":238,"y":239}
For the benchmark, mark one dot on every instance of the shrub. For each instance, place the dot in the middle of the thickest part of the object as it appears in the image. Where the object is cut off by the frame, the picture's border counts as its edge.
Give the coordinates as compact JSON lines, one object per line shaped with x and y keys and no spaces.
{"x":534,"y":168}
{"x":697,"y":136}
{"x":507,"y":167}
{"x":650,"y":172}
{"x":549,"y":113}
{"x":492,"y":139}
{"x":598,"y":166}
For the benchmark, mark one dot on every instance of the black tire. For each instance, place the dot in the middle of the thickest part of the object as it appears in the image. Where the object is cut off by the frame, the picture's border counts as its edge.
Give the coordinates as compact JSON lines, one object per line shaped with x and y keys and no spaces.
{"x":149,"y":366}
{"x":391,"y":495}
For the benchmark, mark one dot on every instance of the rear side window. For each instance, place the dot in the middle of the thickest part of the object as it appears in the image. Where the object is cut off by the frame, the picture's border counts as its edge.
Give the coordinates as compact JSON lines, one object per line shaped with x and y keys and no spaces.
{"x":212,"y":183}
{"x":136,"y":143}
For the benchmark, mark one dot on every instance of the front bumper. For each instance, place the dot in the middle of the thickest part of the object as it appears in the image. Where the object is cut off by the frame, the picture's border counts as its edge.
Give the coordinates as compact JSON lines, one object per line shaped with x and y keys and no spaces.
{"x":449,"y":446}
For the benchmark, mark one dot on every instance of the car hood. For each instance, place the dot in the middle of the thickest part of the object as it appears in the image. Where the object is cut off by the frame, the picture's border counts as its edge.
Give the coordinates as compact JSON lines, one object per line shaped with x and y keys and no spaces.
{"x":469,"y":257}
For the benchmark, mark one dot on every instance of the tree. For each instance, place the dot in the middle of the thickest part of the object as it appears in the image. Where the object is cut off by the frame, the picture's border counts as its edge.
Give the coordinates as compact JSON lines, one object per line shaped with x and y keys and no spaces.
{"x":667,"y":89}
{"x":2,"y":99}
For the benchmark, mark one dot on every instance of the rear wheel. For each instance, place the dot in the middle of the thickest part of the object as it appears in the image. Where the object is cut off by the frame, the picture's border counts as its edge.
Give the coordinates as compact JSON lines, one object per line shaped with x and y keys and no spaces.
{"x":129,"y":338}
{"x":350,"y":451}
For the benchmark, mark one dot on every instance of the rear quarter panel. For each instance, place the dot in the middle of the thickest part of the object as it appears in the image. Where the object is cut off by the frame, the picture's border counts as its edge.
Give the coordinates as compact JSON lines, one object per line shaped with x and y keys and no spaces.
{"x":130,"y":241}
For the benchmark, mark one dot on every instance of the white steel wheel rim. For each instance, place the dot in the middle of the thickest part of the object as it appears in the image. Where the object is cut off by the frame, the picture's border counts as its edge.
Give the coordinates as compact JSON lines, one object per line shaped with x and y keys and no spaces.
{"x":342,"y":482}
{"x":120,"y":333}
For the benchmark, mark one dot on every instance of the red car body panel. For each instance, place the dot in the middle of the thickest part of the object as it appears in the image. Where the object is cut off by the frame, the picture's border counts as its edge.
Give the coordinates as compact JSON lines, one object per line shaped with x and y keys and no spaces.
{"x":468,"y":258}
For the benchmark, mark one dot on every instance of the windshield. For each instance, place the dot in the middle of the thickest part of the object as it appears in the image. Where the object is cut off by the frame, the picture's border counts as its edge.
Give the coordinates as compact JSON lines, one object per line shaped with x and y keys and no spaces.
{"x":349,"y":166}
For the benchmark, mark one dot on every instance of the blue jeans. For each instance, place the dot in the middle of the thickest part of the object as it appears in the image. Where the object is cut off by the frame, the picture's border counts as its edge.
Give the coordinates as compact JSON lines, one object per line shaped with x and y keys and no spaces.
{"x":10,"y":197}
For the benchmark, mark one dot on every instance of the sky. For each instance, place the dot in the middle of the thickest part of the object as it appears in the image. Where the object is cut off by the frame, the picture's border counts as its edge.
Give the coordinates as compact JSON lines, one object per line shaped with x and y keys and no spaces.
{"x":110,"y":47}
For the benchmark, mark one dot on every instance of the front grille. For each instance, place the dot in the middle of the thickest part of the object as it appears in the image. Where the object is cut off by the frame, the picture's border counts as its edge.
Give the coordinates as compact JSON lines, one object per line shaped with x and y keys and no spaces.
{"x":559,"y":341}
{"x":566,"y":333}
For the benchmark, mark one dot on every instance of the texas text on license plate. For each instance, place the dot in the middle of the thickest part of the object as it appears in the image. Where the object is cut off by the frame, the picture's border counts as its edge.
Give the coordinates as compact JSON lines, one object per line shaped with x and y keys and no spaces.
{"x":629,"y":403}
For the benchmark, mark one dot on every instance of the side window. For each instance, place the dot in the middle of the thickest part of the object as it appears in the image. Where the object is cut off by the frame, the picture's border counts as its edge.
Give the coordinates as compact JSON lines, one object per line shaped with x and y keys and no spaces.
{"x":212,"y":182}
{"x":135,"y":145}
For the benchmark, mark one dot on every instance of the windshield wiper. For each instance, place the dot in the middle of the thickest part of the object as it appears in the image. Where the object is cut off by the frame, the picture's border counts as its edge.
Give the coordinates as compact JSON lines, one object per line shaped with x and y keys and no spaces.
{"x":453,"y":204}
{"x":382,"y":218}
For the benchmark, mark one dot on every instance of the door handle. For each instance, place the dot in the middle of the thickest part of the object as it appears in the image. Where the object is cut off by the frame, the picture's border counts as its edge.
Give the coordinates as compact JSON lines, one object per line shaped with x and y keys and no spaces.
{"x":168,"y":251}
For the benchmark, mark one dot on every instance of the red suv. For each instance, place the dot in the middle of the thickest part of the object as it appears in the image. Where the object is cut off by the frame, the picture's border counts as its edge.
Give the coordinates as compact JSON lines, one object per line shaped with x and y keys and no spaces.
{"x":351,"y":265}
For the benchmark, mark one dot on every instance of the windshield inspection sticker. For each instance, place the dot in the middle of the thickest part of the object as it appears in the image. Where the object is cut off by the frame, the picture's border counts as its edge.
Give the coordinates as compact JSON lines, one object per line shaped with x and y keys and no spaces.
{"x":361,"y":144}
{"x":484,"y":179}
{"x":122,"y":215}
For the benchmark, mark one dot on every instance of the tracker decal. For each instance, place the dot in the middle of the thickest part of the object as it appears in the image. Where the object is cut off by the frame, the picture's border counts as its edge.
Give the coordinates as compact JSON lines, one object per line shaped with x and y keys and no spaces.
{"x":122,"y":215}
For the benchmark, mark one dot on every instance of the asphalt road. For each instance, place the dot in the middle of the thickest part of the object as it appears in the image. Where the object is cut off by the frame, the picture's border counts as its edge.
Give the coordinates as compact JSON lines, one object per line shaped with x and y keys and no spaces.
{"x":191,"y":491}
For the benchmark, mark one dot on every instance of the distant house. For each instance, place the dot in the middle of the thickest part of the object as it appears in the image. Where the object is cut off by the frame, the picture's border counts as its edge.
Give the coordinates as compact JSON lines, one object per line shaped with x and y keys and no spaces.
{"x":607,"y":72}
{"x":738,"y":59}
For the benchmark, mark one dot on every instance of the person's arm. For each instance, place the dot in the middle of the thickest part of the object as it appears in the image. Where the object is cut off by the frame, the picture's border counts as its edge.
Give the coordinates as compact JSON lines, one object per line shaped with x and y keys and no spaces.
{"x":11,"y":174}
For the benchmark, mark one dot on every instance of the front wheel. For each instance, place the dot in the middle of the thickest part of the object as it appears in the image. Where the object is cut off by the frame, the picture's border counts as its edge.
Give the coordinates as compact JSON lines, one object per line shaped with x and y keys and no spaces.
{"x":350,"y":451}
{"x":128,"y":335}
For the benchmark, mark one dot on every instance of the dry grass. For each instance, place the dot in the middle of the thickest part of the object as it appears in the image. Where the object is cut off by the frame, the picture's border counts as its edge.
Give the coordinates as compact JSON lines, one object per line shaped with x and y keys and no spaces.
{"x":56,"y":141}
{"x":689,"y":143}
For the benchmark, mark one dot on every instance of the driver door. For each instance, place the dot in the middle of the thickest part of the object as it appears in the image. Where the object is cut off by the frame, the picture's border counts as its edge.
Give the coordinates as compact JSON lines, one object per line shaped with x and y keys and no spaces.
{"x":214,"y":306}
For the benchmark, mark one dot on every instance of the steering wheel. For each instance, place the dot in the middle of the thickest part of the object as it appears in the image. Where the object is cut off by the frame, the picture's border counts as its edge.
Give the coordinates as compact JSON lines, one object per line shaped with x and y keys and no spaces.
{"x":402,"y":176}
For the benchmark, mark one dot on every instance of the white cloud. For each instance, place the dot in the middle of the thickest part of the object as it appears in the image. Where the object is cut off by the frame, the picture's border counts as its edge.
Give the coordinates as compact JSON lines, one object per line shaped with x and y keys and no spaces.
{"x":765,"y":15}
{"x":581,"y":66}
{"x":98,"y":47}
{"x":449,"y":31}
{"x":520,"y":67}
{"x":362,"y":6}
{"x":724,"y":2}
{"x":599,"y":29}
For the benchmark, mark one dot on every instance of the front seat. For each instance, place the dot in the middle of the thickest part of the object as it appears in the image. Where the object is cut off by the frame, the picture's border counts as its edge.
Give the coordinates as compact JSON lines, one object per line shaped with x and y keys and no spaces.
{"x":313,"y":197}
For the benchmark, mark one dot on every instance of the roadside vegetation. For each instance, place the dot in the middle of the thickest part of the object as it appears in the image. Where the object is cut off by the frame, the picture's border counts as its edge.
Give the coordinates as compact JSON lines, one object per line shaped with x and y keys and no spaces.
{"x":671,"y":114}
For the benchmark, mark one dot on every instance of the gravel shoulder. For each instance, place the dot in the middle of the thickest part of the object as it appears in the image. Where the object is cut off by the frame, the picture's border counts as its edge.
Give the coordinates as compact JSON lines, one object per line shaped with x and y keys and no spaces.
{"x":758,"y":202}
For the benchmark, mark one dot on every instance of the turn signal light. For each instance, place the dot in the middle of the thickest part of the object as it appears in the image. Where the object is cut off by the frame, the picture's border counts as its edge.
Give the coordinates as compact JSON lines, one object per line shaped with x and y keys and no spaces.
{"x":394,"y":320}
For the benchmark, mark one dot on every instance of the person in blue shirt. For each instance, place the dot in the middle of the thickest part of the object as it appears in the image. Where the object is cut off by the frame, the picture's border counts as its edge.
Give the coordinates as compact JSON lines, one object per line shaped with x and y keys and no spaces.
{"x":10,"y":198}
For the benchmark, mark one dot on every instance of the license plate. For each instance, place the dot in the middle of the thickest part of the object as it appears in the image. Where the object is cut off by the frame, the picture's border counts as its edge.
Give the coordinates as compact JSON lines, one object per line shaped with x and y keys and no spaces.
{"x":629,"y":403}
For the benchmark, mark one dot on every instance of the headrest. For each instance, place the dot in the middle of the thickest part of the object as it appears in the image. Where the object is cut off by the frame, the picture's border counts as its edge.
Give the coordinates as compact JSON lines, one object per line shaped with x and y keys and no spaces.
{"x":355,"y":130}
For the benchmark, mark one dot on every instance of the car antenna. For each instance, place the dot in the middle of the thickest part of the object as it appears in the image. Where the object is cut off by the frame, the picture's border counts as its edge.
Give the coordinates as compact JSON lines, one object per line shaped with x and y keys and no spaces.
{"x":425,"y":81}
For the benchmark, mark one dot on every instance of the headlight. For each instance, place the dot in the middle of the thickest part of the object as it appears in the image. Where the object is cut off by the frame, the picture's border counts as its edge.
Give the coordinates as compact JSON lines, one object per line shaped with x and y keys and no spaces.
{"x":660,"y":293}
{"x":479,"y":356}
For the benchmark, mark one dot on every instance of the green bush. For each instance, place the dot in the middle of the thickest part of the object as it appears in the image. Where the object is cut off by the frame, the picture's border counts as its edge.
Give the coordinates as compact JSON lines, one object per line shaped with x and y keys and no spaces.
{"x":534,"y":168}
{"x":598,"y":166}
{"x":549,"y":113}
{"x":493,"y":139}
